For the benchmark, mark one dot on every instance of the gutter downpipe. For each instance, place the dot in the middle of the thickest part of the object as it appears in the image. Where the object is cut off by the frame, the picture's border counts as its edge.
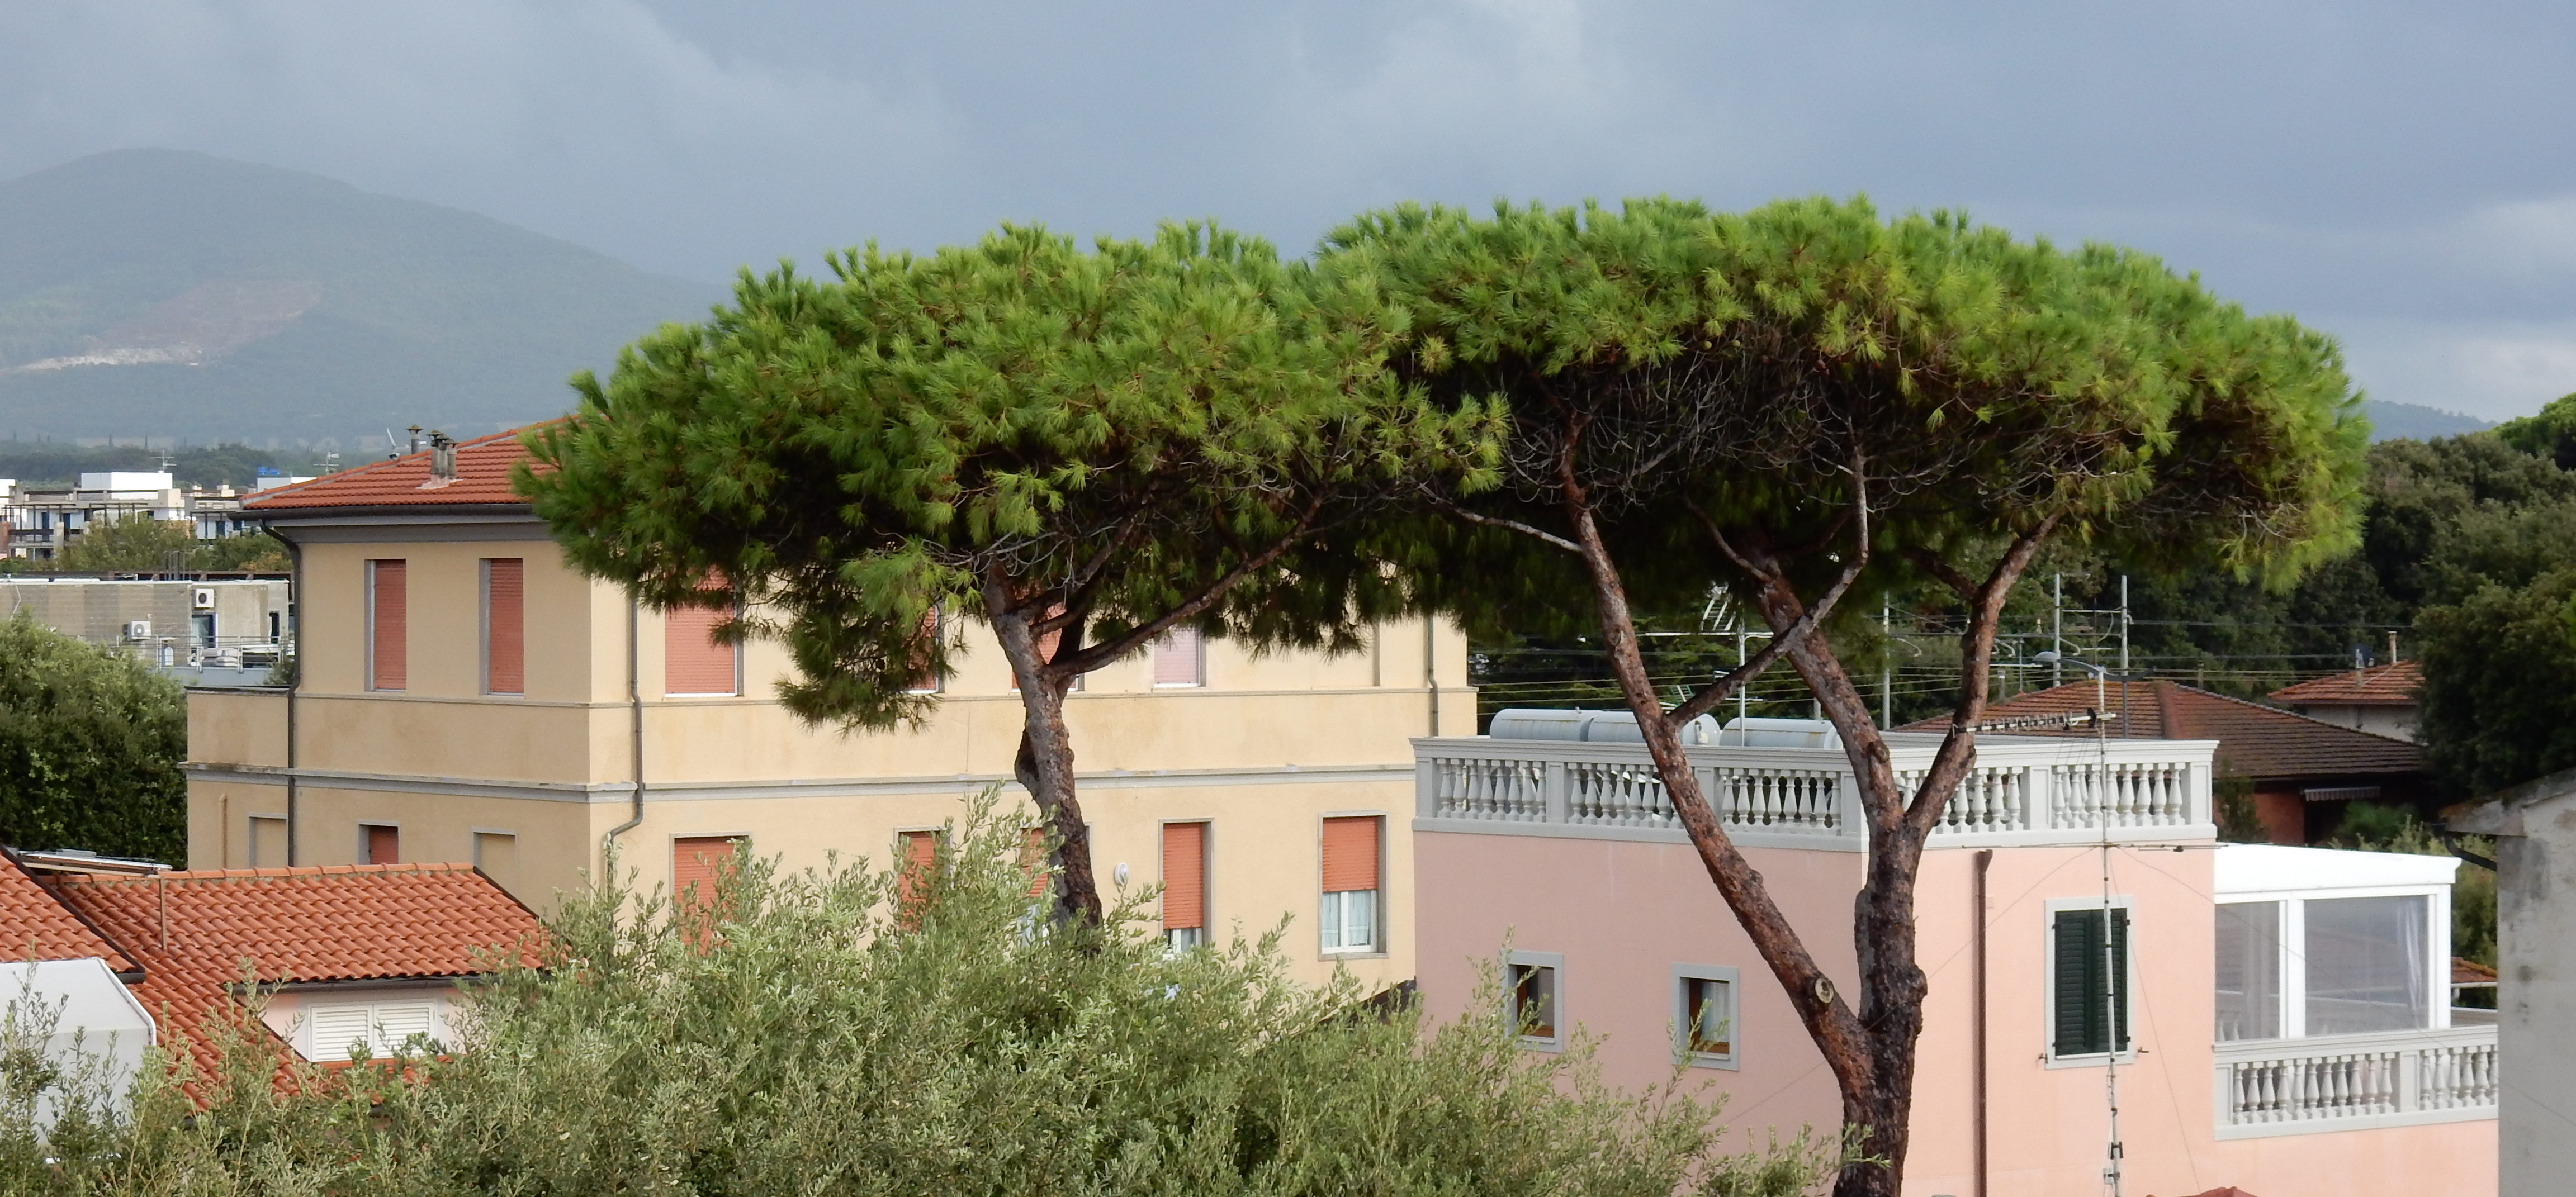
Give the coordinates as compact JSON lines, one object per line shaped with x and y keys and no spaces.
{"x":635,"y":708}
{"x":1431,"y":666}
{"x":1977,"y":1025}
{"x":294,"y":680}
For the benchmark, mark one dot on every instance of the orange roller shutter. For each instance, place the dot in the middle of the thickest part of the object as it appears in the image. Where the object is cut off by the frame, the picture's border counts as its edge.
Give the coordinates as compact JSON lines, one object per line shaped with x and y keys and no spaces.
{"x":695,"y":861}
{"x":692,"y":661}
{"x":1033,"y":858}
{"x":1350,"y":854}
{"x":505,"y":639}
{"x":389,"y":624}
{"x":384,"y":845}
{"x":1184,"y":875}
{"x":912,"y":878}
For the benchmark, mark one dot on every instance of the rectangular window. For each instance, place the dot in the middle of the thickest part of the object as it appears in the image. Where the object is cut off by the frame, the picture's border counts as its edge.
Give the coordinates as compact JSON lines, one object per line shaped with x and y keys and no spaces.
{"x":388,"y":624}
{"x":354,"y":1030}
{"x":505,"y":621}
{"x":1704,"y":1014}
{"x":2089,"y":1005}
{"x":1351,"y":884}
{"x":496,"y":855}
{"x":696,"y":862}
{"x":2249,"y":970}
{"x":1184,"y":884}
{"x":914,"y":871}
{"x":2366,"y":965}
{"x":925,"y":679}
{"x":1533,"y":990}
{"x":694,"y":662}
{"x":381,"y":843}
{"x":1179,"y":660}
{"x":267,"y":841}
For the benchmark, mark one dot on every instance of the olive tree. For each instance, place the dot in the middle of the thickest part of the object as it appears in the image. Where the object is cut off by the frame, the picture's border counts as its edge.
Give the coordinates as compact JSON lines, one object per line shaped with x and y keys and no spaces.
{"x":1079,"y":449}
{"x":1805,"y":398}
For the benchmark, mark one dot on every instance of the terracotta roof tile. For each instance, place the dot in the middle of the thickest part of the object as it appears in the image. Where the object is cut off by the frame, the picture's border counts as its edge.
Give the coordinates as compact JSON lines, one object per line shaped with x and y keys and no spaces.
{"x":2379,"y":686}
{"x":330,"y":923}
{"x":35,"y":926}
{"x":482,"y":476}
{"x":2254,"y":740}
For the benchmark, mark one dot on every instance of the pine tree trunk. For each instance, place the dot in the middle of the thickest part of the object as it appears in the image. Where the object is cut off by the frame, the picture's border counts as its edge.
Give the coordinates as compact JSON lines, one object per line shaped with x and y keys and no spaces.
{"x":1044,"y":764}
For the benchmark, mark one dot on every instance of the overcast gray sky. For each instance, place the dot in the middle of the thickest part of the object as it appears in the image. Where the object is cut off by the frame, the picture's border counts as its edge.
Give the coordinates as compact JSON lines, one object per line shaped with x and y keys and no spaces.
{"x":2398,"y":174}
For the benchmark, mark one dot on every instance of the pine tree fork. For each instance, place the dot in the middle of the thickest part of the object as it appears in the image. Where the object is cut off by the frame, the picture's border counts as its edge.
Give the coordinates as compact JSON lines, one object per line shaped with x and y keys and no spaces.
{"x":1893,"y":984}
{"x":1044,"y":763}
{"x":1830,"y":1022}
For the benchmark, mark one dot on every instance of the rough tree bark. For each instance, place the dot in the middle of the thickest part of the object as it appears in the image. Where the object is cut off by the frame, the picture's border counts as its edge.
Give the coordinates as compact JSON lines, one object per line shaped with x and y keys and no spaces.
{"x":1871,"y":1051}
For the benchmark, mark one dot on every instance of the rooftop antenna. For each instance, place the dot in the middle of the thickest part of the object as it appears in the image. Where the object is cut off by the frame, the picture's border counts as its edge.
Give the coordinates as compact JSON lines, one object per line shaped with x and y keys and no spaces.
{"x":2112,"y":974}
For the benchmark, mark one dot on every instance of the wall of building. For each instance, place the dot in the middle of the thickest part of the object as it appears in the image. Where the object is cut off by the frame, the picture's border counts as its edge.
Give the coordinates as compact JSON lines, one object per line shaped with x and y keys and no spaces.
{"x":2536,"y":1036}
{"x":99,"y":610}
{"x":1623,"y":912}
{"x":2379,"y":719}
{"x":1266,"y":749}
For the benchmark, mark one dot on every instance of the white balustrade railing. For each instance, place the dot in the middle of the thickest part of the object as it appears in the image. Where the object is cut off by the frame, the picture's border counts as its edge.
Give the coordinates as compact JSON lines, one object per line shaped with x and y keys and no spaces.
{"x":2338,"y":1082}
{"x":2025,"y":789}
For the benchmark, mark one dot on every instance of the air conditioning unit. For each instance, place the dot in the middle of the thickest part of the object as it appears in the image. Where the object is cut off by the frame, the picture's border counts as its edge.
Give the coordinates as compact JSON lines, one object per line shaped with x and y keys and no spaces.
{"x":202,"y":598}
{"x":138,"y":629}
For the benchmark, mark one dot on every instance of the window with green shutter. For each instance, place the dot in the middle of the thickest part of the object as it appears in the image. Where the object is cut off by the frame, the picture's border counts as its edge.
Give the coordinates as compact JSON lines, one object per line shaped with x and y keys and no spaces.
{"x":2088,"y":1016}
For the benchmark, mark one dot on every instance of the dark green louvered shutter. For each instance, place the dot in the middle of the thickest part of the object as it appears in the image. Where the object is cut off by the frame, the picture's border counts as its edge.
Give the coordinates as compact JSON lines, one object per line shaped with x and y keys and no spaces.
{"x":2082,"y":1026}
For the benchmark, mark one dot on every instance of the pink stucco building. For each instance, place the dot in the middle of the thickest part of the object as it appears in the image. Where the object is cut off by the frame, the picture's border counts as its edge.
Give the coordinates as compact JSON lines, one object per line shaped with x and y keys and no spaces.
{"x":2281,"y":1021}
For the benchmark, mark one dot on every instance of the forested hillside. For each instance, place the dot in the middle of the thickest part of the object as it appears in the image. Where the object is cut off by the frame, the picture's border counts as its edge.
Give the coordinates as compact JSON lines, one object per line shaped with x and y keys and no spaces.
{"x":169,"y":294}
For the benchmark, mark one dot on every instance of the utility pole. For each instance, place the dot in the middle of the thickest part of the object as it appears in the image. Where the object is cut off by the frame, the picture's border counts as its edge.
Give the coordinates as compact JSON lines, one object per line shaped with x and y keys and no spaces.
{"x":2057,"y":629}
{"x":2124,"y":633}
{"x":1887,"y":666}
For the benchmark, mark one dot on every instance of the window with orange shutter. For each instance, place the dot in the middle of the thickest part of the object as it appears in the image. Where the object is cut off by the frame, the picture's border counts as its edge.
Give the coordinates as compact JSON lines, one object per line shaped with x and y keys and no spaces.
{"x":1352,"y":880}
{"x":1185,"y":884}
{"x":693,"y":661}
{"x":924,"y":679}
{"x":383,"y":844}
{"x":696,"y":862}
{"x":920,"y":856}
{"x":1033,"y":859}
{"x":505,"y":625}
{"x":388,"y":624}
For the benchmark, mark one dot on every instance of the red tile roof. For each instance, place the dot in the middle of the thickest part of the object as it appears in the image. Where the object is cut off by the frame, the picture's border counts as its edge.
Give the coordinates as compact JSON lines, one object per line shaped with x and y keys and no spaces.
{"x":2254,"y":741}
{"x":34,"y":926}
{"x":316,"y":923}
{"x":482,"y":476}
{"x":2378,"y":686}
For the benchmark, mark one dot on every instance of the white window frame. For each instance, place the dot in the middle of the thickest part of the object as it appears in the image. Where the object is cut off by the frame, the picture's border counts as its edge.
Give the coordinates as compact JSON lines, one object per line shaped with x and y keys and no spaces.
{"x":1683,"y":975}
{"x":365,"y":825}
{"x":1198,"y":663}
{"x":2294,"y":946}
{"x":379,"y":1046}
{"x":2048,"y":974}
{"x":1555,"y":963}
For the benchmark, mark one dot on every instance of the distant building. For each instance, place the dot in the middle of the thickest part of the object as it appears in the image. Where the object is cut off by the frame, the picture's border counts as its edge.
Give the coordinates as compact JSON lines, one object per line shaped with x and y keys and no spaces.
{"x":40,"y":524}
{"x":2299,"y":771}
{"x":2379,"y":700}
{"x":191,"y":622}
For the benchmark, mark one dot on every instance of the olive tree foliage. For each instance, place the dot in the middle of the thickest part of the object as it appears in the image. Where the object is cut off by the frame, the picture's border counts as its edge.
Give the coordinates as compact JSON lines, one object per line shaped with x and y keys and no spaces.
{"x":815,"y":1033}
{"x":1078,"y":449}
{"x":90,"y":744}
{"x":1807,"y":398}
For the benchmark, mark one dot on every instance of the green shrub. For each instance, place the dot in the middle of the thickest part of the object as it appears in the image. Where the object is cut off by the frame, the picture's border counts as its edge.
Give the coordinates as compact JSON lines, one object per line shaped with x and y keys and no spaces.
{"x":795,"y":1037}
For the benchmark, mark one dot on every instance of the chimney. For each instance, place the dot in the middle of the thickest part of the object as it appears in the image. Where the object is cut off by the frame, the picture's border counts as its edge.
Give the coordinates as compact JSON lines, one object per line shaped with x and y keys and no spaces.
{"x":414,"y":430}
{"x":442,"y":458}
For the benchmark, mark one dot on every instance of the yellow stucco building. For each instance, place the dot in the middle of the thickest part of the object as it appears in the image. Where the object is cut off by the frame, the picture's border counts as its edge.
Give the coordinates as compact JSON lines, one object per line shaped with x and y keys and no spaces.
{"x":465,"y":695}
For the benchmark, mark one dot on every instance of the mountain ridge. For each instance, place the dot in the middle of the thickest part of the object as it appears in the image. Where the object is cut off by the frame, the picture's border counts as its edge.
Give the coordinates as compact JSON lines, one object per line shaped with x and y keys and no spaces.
{"x":168,"y":293}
